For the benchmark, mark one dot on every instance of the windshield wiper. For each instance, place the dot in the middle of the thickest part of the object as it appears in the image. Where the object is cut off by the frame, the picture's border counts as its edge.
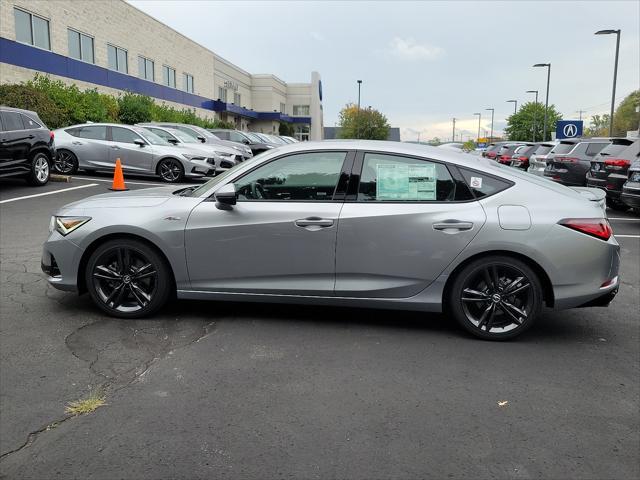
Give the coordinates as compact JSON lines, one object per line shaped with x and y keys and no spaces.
{"x":185,"y":192}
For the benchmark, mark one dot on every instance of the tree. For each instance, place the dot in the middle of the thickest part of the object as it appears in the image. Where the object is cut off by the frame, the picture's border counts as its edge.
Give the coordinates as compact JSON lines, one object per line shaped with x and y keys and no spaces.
{"x":366,"y":123}
{"x":286,"y":129}
{"x":598,"y":126}
{"x":626,"y":116}
{"x":520,"y":124}
{"x":469,"y":145}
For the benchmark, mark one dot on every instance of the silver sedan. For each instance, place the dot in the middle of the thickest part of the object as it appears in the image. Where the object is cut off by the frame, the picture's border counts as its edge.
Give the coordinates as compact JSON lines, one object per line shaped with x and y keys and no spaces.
{"x":367,"y":224}
{"x":97,"y":146}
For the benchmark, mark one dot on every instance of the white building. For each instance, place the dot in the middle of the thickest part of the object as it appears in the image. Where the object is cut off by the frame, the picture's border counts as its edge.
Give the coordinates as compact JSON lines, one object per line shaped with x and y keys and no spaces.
{"x":112,"y":46}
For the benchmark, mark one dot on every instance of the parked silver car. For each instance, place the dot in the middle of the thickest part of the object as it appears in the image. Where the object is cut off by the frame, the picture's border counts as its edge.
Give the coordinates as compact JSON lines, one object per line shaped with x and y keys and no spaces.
{"x":97,"y":146}
{"x":538,"y":160}
{"x":370,"y":224}
{"x":225,"y":157}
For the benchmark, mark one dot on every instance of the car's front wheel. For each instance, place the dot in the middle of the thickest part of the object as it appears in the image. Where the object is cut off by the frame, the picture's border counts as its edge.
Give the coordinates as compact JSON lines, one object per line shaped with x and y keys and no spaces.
{"x":128,"y":279}
{"x":66,"y":162}
{"x":40,"y":172}
{"x":496,"y":298}
{"x":170,"y":170}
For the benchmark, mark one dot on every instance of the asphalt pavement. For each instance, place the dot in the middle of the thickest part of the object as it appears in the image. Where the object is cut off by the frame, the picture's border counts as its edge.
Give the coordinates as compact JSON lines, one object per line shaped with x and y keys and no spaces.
{"x":227,"y":390}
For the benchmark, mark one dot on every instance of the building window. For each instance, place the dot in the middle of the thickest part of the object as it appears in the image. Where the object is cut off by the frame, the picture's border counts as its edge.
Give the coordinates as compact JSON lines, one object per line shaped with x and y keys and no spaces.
{"x":169,"y":76}
{"x":32,"y":29}
{"x":302,"y":133}
{"x":117,"y":59}
{"x":222,"y":94}
{"x":237,"y":98}
{"x":145,"y":69}
{"x":301,"y":110}
{"x":187,"y":82}
{"x":80,"y":46}
{"x":283,"y":108}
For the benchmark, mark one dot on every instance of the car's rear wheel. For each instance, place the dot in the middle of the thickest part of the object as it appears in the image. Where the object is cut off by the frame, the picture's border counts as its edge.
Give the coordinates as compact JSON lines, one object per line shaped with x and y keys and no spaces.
{"x":128,"y":279}
{"x":40,"y":172}
{"x":496,"y":298}
{"x":66,"y":162}
{"x":170,"y":170}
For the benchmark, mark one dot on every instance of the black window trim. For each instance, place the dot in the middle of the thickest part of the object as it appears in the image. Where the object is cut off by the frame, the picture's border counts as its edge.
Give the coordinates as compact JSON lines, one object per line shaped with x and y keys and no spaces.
{"x":347,"y":164}
{"x":354,"y":182}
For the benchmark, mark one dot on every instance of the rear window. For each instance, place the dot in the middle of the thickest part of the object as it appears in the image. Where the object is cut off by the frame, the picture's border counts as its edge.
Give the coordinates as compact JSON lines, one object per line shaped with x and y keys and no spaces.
{"x":543,"y":149}
{"x":614,"y":148}
{"x":12,"y":121}
{"x":30,"y":123}
{"x":483,"y":185}
{"x":564,"y":147}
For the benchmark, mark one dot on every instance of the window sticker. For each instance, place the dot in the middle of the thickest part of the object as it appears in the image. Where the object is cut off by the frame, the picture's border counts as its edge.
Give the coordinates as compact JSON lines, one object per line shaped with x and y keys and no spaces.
{"x":405,"y":182}
{"x":476,"y":182}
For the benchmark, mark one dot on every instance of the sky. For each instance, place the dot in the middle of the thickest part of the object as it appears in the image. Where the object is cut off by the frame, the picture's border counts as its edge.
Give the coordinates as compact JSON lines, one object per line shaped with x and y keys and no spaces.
{"x":424,"y":63}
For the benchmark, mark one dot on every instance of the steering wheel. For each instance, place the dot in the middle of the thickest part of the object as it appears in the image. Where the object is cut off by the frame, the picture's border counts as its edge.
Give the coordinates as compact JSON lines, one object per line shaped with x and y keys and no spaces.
{"x":257,"y":192}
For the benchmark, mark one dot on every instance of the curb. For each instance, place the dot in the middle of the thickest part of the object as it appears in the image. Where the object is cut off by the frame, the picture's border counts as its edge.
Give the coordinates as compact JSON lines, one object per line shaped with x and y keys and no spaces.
{"x":59,"y":178}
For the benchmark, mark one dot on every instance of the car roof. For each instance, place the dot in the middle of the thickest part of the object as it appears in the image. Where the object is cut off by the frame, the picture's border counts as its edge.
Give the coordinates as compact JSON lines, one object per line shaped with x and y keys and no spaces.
{"x":19,"y":110}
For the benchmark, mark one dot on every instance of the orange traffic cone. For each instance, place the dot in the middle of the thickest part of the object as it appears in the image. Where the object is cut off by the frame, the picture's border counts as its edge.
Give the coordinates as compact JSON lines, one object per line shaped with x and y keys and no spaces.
{"x":118,"y":178}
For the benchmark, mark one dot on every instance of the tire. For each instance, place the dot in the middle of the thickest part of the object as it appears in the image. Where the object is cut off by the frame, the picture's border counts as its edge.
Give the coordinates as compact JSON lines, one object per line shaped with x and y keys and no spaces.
{"x":40,"y":170}
{"x":66,"y":163}
{"x":170,"y":170}
{"x":127,"y":278}
{"x":491,"y":313}
{"x":616,"y":205}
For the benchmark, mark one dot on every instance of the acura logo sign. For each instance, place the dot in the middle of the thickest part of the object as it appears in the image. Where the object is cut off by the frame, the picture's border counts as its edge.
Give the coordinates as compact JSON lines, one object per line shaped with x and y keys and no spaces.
{"x":570,"y":130}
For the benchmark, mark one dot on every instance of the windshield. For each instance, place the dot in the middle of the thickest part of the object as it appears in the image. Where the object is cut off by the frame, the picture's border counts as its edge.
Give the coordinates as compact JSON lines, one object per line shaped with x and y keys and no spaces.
{"x":253,"y":137}
{"x":182,"y":136}
{"x":150,"y":137}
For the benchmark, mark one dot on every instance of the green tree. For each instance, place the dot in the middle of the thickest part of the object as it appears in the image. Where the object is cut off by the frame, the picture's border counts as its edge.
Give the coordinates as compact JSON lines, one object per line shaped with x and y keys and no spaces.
{"x":366,"y":123}
{"x":626,"y":116}
{"x":520,"y":125}
{"x":469,"y":145}
{"x":30,"y":98}
{"x":135,"y":108}
{"x":598,"y":126}
{"x":286,"y":129}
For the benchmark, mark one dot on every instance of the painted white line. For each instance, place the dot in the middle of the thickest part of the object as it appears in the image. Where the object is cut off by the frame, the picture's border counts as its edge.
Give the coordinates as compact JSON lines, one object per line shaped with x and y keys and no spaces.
{"x":136,"y":183}
{"x":48,"y":193}
{"x":626,"y":236}
{"x":625,"y":219}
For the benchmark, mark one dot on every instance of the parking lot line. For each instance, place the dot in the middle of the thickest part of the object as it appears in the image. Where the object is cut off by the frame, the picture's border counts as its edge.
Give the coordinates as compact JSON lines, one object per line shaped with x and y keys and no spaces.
{"x":48,"y":193}
{"x":132,"y":183}
{"x":625,"y":219}
{"x":626,"y":236}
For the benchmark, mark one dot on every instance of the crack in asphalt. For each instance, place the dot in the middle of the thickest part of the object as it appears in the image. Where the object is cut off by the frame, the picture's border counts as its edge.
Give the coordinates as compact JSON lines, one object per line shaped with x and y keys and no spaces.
{"x":81,"y":347}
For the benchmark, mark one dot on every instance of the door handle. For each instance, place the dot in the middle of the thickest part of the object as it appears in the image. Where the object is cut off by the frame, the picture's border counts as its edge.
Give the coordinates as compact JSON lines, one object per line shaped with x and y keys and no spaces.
{"x":115,"y":147}
{"x":314,"y":223}
{"x":75,"y":142}
{"x":31,"y":136}
{"x":453,"y":225}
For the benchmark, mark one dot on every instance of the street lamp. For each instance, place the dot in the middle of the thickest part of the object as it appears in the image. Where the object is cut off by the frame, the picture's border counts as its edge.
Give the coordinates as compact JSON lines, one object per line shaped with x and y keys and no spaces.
{"x":453,"y":138}
{"x":535,"y":111}
{"x":479,"y":118}
{"x":358,"y":116}
{"x":491,"y":136}
{"x":546,"y":103}
{"x":515,"y":107}
{"x":615,"y":74}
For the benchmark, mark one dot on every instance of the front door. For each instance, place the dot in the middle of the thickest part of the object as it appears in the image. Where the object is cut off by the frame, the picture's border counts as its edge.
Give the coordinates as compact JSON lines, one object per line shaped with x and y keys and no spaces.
{"x":133,"y":156}
{"x":409,"y":220}
{"x":15,"y":143}
{"x":280,"y":237}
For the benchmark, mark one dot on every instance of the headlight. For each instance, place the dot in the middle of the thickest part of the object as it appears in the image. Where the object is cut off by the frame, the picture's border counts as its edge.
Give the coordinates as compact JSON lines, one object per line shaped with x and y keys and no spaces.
{"x":193,"y":157}
{"x":66,"y":225}
{"x":269,"y":147}
{"x":224,"y":154}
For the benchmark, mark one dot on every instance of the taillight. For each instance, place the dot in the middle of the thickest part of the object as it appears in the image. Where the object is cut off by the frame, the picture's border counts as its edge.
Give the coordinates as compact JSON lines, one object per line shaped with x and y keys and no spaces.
{"x":505,"y":157}
{"x":51,"y":135}
{"x":617,"y":163}
{"x":522,"y":159}
{"x":567,"y":159}
{"x":596,"y":227}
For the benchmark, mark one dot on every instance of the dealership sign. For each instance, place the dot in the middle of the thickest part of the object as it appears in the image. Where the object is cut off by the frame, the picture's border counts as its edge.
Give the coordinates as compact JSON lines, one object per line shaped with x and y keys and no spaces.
{"x":568,"y":129}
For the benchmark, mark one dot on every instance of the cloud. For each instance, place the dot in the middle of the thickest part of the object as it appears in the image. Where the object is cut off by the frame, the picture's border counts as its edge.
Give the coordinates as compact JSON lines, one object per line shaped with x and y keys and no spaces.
{"x":317,"y":36}
{"x":408,"y":49}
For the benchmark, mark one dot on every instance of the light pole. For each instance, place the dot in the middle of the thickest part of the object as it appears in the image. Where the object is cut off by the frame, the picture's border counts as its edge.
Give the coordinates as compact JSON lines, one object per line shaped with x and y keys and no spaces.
{"x":534,"y":113}
{"x":358,"y":115}
{"x":580,"y":112}
{"x":479,"y":118}
{"x":515,"y":106}
{"x":546,"y":103}
{"x":491,"y":136}
{"x":615,"y":74}
{"x":453,"y":137}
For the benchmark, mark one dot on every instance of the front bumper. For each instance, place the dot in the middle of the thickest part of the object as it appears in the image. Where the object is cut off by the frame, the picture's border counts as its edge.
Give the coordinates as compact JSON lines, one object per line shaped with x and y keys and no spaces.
{"x":60,"y":262}
{"x":631,"y":195}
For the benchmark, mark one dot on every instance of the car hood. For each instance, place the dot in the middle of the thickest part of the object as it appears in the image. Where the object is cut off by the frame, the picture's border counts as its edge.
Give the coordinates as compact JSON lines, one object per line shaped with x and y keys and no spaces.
{"x":148,"y":197}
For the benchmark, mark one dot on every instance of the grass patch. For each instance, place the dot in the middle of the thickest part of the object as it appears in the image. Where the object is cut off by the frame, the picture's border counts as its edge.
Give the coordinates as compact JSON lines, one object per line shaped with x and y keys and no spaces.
{"x":94,"y":401}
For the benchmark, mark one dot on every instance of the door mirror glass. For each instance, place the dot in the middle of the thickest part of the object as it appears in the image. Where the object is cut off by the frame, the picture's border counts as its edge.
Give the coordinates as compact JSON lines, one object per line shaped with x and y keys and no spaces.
{"x":139,"y":142}
{"x":172,"y":141}
{"x":226,"y":196}
{"x":202,"y":139}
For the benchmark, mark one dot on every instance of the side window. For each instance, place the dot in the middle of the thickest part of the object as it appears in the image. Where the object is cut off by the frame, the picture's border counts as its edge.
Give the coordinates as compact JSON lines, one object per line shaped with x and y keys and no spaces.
{"x":594,"y":148}
{"x":12,"y":121}
{"x":92,"y":133}
{"x":222,"y":135}
{"x":304,"y":177}
{"x":123,"y":135}
{"x":162,"y":134}
{"x":483,"y":185}
{"x":236,"y":137}
{"x":395,"y":178}
{"x":29,"y":123}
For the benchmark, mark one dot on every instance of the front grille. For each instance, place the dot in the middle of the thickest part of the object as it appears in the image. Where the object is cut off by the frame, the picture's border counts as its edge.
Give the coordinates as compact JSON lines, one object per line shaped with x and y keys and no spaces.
{"x":211,"y":161}
{"x":226,"y":164}
{"x":239,"y":158}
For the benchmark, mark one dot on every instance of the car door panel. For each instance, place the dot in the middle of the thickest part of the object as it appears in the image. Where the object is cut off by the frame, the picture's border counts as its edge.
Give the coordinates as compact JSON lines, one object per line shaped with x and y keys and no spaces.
{"x":133,"y":157}
{"x":90,"y":146}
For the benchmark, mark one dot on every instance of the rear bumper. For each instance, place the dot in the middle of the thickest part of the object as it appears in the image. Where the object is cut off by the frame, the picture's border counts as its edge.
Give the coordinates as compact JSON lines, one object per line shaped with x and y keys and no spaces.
{"x":631,"y":197}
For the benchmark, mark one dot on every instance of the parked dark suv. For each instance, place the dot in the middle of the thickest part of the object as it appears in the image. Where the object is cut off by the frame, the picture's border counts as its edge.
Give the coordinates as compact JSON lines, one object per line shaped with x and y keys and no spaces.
{"x":631,"y":189}
{"x":569,"y":161}
{"x":609,"y":169}
{"x":27,"y":148}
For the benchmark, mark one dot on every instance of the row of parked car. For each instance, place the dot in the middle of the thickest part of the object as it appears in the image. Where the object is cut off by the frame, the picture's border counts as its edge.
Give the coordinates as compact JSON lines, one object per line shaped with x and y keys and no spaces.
{"x":611,"y":164}
{"x":171,"y":151}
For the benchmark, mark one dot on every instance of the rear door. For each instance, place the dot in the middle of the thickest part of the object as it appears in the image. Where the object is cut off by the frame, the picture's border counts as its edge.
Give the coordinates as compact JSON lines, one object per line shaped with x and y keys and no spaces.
{"x":134,"y":157}
{"x":15,"y":144}
{"x":404,"y":220}
{"x":90,"y":145}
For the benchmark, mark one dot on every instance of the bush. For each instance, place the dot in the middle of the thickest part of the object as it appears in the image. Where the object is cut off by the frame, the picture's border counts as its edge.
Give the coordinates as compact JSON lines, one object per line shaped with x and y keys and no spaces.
{"x":134,"y":108}
{"x":29,"y":98}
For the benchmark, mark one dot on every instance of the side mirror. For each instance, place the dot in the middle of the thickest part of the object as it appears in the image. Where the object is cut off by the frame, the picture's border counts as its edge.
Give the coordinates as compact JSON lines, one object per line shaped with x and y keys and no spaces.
{"x":226,"y":196}
{"x":202,"y":139}
{"x":245,"y":141}
{"x":139,"y":142}
{"x":172,"y":141}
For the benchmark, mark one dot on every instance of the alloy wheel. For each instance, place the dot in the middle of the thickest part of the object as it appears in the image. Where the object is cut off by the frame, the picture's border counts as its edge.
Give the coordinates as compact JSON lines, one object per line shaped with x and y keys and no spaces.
{"x":124,"y":279}
{"x":170,"y":171}
{"x":497,"y":298}
{"x":64,"y":163}
{"x":41,"y":169}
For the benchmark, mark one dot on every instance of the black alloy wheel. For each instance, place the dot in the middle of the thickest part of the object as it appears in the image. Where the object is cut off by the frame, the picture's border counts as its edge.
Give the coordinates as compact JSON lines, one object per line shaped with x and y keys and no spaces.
{"x":170,"y":170}
{"x":127,"y":279}
{"x":496,"y":298}
{"x":66,"y":162}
